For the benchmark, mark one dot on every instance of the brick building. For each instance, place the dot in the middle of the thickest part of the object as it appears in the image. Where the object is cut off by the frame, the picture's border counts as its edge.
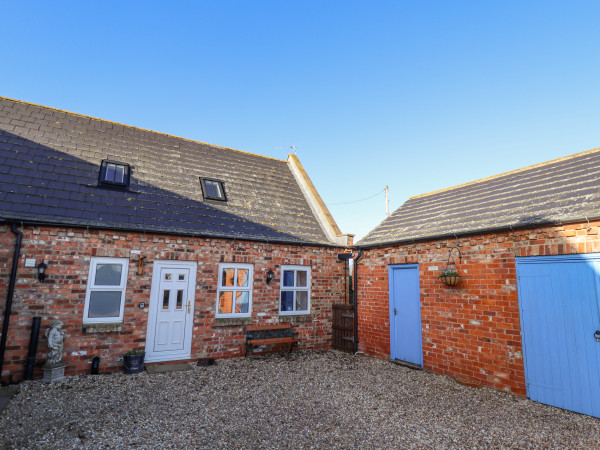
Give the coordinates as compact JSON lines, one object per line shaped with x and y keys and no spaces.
{"x":154,"y":242}
{"x":524,"y":315}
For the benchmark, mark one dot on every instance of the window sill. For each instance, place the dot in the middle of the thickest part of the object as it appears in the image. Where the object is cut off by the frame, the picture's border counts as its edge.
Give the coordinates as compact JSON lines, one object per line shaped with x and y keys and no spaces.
{"x":233,"y":321}
{"x":102,"y":327}
{"x":295,"y":318}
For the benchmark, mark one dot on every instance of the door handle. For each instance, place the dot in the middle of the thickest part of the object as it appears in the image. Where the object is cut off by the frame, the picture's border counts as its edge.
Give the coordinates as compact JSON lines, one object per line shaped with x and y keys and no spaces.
{"x":597,"y":335}
{"x":188,"y":306}
{"x":395,"y":311}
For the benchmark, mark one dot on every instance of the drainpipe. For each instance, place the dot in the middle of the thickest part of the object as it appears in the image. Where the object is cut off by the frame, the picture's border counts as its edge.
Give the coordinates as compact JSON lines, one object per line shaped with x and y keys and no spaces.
{"x":9,"y":296}
{"x":356,"y":300}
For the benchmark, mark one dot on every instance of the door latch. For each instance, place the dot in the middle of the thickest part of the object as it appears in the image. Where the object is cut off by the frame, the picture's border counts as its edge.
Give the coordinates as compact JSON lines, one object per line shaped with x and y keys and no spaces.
{"x":597,"y":335}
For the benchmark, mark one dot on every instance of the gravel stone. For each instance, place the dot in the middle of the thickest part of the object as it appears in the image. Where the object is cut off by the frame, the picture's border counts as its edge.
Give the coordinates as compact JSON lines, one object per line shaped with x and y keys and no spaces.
{"x":320,"y":399}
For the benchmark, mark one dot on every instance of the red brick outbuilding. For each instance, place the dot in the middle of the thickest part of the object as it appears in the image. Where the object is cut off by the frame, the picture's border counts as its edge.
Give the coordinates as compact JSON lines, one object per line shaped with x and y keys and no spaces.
{"x":503,"y":325}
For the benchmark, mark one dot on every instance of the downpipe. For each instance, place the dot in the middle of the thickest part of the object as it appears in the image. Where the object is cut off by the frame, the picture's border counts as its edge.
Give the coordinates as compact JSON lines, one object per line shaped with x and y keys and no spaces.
{"x":9,"y":296}
{"x":356,"y":300}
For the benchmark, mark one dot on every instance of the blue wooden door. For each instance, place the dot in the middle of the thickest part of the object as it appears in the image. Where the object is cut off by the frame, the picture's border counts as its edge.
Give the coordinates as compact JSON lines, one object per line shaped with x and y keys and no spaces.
{"x":405,"y":314}
{"x":558,"y":300}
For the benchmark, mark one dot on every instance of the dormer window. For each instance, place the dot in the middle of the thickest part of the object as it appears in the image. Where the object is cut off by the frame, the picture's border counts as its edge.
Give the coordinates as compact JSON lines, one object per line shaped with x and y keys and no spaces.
{"x":114,"y":173}
{"x":213,"y":189}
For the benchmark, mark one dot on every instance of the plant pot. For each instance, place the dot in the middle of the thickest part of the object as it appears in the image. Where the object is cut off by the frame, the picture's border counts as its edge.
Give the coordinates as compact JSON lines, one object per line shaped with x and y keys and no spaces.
{"x":133,"y":363}
{"x":451,"y":280}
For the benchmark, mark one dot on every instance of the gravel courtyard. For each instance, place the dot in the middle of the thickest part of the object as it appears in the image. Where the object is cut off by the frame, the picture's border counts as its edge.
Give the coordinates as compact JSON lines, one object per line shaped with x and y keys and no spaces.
{"x":309,"y":400}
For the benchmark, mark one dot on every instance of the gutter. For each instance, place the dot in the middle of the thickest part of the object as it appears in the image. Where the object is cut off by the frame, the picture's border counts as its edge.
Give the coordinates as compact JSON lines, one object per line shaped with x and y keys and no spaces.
{"x":169,"y":233}
{"x":9,"y":296}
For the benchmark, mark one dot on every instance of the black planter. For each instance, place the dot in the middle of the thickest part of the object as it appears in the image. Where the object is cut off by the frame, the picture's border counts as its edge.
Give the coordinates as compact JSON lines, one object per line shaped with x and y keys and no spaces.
{"x":133,"y":363}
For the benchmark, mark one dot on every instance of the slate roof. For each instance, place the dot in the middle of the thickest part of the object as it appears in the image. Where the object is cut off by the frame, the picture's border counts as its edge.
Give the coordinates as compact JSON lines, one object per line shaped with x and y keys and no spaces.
{"x":559,"y":191}
{"x":49,"y":164}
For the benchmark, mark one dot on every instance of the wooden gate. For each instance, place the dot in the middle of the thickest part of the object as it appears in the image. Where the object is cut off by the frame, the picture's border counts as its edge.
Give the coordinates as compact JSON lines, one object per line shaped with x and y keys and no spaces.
{"x":343,"y":327}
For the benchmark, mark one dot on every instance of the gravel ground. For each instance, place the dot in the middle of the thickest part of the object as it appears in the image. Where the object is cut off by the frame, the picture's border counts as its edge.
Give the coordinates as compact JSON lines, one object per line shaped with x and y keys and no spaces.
{"x":309,"y":400}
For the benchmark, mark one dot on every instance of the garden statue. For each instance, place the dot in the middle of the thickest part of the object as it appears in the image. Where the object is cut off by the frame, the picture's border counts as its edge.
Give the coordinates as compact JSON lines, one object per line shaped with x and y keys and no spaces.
{"x":55,"y":336}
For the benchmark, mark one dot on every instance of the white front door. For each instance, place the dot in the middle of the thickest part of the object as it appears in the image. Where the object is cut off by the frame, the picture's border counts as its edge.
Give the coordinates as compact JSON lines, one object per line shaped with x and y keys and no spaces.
{"x":171,"y":314}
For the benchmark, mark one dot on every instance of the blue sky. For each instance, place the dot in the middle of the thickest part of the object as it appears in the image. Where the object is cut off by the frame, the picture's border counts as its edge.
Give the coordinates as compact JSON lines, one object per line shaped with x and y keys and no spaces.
{"x":416,"y":95}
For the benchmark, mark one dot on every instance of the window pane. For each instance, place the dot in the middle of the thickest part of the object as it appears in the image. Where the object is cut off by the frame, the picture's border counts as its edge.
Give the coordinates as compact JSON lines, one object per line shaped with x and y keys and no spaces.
{"x":119,"y":174}
{"x":287,"y":301}
{"x":301,"y":278}
{"x":213,"y":189}
{"x":179,"y":299}
{"x":108,"y":275}
{"x":226,"y":302}
{"x":165,"y":304}
{"x":167,"y":276}
{"x":288,"y":278}
{"x":228,"y":275}
{"x":104,"y":304}
{"x":181,"y":277}
{"x":242,"y":277}
{"x":242,"y":301}
{"x":110,"y":172}
{"x":301,"y":301}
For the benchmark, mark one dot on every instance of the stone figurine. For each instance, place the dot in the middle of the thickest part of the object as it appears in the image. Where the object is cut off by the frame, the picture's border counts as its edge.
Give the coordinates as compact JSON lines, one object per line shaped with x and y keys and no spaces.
{"x":55,"y":336}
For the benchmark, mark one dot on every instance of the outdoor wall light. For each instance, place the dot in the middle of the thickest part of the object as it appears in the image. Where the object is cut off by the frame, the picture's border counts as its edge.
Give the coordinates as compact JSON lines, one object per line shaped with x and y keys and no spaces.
{"x":41,"y":268}
{"x":270,"y":276}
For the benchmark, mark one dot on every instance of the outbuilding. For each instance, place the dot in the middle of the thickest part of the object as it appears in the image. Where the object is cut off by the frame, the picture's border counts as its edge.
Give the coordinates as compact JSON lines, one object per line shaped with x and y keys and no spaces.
{"x":495,"y":282}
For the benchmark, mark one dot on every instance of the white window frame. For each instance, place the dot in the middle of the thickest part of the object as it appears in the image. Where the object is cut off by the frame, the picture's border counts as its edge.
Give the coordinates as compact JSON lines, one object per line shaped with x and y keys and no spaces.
{"x":91,"y":287}
{"x":234,"y":289}
{"x":295,"y":289}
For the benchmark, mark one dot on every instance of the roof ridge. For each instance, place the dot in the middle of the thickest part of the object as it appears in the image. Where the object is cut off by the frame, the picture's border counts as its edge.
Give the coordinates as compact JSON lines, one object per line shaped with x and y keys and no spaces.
{"x":522,"y":169}
{"x":137,"y":128}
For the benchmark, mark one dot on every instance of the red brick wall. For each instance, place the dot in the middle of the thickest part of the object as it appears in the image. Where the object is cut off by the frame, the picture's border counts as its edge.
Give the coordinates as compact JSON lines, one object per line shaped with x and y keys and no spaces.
{"x":471,"y":331}
{"x":67,"y":251}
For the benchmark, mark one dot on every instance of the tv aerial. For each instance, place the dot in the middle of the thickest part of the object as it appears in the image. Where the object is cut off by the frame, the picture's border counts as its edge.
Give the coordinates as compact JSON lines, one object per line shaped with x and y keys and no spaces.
{"x":293,"y":147}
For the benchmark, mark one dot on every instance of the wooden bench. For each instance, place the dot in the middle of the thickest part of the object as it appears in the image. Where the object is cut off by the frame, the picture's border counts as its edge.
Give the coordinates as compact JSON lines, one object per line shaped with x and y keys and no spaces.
{"x":282,"y":333}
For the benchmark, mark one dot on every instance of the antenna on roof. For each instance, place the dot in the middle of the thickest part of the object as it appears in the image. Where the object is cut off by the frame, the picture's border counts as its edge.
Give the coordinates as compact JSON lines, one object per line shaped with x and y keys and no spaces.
{"x":293,"y":147}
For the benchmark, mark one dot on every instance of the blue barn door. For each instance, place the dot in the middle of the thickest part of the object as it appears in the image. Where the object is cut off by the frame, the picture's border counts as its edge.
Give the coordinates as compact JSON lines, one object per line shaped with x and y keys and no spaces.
{"x":559,"y":306}
{"x":405,"y":314}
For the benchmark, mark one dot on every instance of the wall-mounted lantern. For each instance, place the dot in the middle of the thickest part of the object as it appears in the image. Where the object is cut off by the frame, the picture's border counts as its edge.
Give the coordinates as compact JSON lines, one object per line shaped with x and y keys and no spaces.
{"x":270,"y":275}
{"x":41,"y":269}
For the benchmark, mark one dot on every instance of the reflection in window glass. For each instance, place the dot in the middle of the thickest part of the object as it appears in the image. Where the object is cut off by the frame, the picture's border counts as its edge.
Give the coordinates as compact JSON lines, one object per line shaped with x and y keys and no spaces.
{"x":105,"y":293}
{"x":104,"y":304}
{"x":226,"y":302}
{"x":301,"y":301}
{"x":234,"y":296}
{"x":115,"y":173}
{"x":167,"y":276}
{"x":287,"y":301}
{"x":301,"y":278}
{"x":213,"y":189}
{"x":242,"y":277}
{"x":166,"y":295}
{"x":295,"y":290}
{"x":242,"y":301}
{"x":288,"y":278}
{"x":108,"y":275}
{"x":179,"y":299}
{"x":228,"y":275}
